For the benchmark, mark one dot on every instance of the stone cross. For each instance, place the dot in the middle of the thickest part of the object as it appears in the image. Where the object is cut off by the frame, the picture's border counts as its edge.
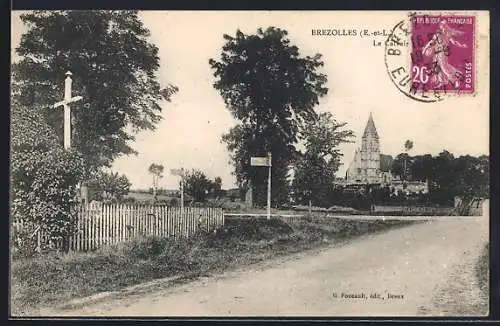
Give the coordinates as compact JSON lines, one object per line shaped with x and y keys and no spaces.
{"x":67,"y":110}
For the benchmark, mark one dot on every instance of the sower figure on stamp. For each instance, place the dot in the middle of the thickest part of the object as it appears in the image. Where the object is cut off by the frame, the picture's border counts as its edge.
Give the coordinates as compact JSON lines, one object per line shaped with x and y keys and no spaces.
{"x":438,"y":49}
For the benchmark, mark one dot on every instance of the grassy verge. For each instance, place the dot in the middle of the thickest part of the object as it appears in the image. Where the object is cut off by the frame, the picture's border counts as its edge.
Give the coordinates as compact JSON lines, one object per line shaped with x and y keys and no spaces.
{"x":466,"y":291}
{"x":56,"y":278}
{"x":483,"y":277}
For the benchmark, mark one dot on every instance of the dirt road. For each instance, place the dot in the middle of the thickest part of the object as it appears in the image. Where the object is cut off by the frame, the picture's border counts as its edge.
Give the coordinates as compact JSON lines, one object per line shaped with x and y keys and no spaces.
{"x":409,"y":263}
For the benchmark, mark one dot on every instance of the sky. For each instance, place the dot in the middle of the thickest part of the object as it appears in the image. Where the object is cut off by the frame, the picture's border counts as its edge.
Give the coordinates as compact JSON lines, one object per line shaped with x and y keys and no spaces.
{"x":193,"y":122}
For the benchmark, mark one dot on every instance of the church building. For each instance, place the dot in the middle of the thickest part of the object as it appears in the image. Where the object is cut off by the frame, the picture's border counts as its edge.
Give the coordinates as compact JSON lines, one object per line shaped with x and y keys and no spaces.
{"x":369,"y":166}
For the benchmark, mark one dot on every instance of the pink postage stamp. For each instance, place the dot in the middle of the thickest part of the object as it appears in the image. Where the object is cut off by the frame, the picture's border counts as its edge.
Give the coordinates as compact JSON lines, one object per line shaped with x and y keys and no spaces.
{"x":443,"y":52}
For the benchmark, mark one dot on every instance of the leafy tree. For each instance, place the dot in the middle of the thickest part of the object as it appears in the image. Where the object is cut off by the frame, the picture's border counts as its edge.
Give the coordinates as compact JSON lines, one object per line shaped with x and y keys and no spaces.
{"x":443,"y":177}
{"x":217,"y":186}
{"x":401,"y":163}
{"x":157,"y":171}
{"x":447,"y":176}
{"x":421,"y":167}
{"x":323,"y":136}
{"x":314,"y":180}
{"x":113,"y":67}
{"x":481,"y":168}
{"x":408,"y":147}
{"x":197,"y":185}
{"x":43,"y":180}
{"x":471,"y":177}
{"x":315,"y":168}
{"x":401,"y":166}
{"x":109,"y":186}
{"x":272,"y":91}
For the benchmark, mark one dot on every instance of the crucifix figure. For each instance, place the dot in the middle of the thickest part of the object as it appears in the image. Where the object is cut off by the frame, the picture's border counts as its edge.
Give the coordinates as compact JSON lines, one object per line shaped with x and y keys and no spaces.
{"x":67,"y":110}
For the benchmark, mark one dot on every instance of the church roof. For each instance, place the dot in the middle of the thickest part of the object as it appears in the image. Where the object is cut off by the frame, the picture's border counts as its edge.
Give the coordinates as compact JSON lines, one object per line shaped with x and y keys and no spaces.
{"x":370,"y":127}
{"x":385,"y":162}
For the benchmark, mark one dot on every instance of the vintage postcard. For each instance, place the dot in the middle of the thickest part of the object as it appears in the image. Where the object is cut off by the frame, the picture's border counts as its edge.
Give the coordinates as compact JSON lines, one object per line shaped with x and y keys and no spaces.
{"x":249,"y":163}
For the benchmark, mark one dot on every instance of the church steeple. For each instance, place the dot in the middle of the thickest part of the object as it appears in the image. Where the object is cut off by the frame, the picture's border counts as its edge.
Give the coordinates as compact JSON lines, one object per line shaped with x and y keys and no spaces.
{"x":365,"y":167}
{"x":370,"y":127}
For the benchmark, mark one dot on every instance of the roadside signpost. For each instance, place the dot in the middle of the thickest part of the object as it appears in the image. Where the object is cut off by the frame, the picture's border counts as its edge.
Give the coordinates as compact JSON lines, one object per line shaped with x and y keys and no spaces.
{"x":265,"y":161}
{"x":180,"y":173}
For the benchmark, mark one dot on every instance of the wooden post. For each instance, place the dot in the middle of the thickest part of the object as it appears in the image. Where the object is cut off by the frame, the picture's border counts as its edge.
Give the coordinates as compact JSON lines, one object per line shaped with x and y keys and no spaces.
{"x":38,"y":242}
{"x":67,"y":109}
{"x":269,"y":188}
{"x":182,"y":190}
{"x":65,"y":103}
{"x":249,"y":195}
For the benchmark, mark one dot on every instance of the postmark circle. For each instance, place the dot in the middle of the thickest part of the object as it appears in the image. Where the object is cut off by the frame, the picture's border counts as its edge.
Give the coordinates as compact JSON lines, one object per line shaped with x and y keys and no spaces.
{"x":397,"y":58}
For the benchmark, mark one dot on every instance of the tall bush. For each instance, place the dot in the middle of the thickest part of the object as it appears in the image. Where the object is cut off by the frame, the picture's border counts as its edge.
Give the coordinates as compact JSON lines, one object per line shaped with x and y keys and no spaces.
{"x":44,"y":180}
{"x":108,"y":186}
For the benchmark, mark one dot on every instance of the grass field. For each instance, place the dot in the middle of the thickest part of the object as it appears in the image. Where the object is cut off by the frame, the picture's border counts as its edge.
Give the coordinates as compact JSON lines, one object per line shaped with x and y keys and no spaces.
{"x":140,"y":196}
{"x":56,"y":278}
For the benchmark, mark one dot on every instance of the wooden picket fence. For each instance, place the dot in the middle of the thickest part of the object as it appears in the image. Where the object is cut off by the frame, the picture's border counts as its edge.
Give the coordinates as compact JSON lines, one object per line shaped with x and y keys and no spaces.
{"x":105,"y":224}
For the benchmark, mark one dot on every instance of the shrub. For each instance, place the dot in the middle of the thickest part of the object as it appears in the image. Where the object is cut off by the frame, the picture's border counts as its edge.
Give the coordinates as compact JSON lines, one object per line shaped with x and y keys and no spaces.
{"x":108,"y":186}
{"x":43,"y":180}
{"x":147,"y":247}
{"x":128,"y":200}
{"x":249,"y":229}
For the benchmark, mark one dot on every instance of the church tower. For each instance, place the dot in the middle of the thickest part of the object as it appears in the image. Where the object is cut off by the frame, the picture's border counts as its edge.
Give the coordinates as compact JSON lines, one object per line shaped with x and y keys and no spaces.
{"x":365,"y":167}
{"x":370,"y":153}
